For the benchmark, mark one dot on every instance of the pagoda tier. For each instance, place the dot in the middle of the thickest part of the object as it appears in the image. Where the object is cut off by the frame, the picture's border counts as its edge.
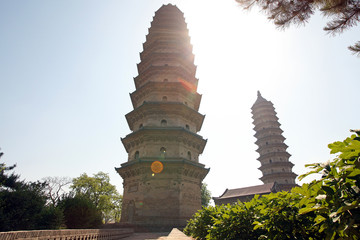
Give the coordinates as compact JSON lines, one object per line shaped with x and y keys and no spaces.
{"x":166,"y":91}
{"x":162,"y":175}
{"x":164,"y":141}
{"x":167,"y":60}
{"x":162,"y":46}
{"x":274,"y":158}
{"x":149,"y":112}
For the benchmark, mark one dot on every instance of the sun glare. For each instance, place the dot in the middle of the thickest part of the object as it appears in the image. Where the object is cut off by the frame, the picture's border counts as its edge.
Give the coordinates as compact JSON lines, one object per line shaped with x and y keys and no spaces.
{"x":234,"y":49}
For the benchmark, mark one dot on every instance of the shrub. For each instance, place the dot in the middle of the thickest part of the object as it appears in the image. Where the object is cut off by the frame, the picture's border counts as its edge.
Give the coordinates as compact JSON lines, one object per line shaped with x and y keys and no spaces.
{"x":80,"y":212}
{"x":235,"y":222}
{"x":201,"y":222}
{"x":328,"y":208}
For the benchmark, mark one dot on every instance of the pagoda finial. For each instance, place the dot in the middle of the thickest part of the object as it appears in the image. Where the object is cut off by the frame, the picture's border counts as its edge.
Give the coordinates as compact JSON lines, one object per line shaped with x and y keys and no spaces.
{"x":258,"y":93}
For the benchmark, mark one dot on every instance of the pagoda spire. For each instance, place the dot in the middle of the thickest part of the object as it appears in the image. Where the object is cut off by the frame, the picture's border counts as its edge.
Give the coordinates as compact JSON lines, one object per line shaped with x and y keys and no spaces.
{"x":274,"y":158}
{"x":162,"y":176}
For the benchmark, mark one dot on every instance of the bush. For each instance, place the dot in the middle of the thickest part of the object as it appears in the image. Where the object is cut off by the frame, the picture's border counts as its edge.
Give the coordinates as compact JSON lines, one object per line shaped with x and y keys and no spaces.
{"x":51,"y":218}
{"x":273,"y":216}
{"x":235,"y":222}
{"x":201,"y":222}
{"x":328,"y":208}
{"x":80,"y":213}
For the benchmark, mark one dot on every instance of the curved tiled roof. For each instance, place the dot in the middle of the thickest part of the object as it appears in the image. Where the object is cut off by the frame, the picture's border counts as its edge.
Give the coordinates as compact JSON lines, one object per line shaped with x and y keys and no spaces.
{"x":247,"y":191}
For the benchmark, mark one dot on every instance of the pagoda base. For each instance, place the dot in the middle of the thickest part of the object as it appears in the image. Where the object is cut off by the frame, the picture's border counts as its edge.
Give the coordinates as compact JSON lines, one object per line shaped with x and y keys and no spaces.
{"x":164,"y":200}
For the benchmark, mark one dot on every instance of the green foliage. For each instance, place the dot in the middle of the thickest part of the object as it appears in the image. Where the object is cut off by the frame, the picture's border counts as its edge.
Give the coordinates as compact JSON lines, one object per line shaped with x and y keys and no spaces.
{"x":80,"y":212}
{"x":328,"y":208}
{"x":273,"y":216}
{"x":51,"y":218}
{"x":335,"y":198}
{"x":116,"y":211}
{"x":37,"y":205}
{"x":20,"y":208}
{"x":201,"y":222}
{"x":344,"y":14}
{"x":6,"y":180}
{"x":235,"y":222}
{"x":205,"y":195}
{"x":25,"y":208}
{"x":278,"y":216}
{"x":101,"y":192}
{"x":23,"y":205}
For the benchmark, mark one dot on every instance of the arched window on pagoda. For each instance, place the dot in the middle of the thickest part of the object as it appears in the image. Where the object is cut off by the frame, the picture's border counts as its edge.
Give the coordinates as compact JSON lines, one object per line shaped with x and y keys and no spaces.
{"x":162,"y":152}
{"x":137,"y":155}
{"x":163,"y":123}
{"x":189,"y":155}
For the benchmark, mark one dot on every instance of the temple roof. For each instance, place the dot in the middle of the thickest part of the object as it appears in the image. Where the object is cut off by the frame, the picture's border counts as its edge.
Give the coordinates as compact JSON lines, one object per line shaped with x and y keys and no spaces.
{"x":248,"y":191}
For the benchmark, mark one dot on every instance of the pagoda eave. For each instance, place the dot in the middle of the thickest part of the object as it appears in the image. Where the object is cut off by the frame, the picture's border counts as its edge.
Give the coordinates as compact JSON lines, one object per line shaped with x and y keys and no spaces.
{"x":158,"y":108}
{"x":169,"y":87}
{"x":153,"y":71}
{"x":276,"y":164}
{"x":151,"y":134}
{"x":286,"y":155}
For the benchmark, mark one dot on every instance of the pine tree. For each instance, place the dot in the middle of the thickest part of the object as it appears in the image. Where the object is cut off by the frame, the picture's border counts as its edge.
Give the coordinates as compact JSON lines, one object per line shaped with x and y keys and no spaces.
{"x":344,"y":14}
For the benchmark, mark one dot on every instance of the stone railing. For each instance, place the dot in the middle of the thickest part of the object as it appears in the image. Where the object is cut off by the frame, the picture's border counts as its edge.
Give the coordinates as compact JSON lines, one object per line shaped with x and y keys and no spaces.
{"x":68,"y":234}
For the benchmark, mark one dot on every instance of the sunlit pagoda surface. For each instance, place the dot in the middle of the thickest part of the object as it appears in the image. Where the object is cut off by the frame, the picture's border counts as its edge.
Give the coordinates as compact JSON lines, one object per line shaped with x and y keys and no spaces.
{"x":274,"y":158}
{"x":277,"y":174}
{"x":162,"y":176}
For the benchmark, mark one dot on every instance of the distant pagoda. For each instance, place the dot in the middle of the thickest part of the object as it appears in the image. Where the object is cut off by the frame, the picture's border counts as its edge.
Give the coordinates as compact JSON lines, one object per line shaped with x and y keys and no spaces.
{"x":274,"y":159}
{"x":163,"y":176}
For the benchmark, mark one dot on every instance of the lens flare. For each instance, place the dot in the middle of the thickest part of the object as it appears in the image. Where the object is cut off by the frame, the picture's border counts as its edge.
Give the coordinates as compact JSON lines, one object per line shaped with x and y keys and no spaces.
{"x":157,"y":167}
{"x":187,"y":85}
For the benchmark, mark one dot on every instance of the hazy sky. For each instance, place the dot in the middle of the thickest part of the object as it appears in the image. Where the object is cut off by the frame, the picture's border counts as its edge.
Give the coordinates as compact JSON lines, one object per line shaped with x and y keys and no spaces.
{"x":67,"y":68}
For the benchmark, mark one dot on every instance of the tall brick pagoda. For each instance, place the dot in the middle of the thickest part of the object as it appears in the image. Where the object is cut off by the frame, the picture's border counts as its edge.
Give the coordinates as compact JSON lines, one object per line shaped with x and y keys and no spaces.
{"x":162,"y":176}
{"x":274,"y":159}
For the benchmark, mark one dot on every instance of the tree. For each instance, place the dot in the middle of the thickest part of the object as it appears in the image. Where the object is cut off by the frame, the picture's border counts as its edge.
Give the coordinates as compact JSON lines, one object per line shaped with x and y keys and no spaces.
{"x":116,"y":211}
{"x":23,"y":204}
{"x":8,"y":181}
{"x":55,"y":187}
{"x":80,"y":212}
{"x":344,"y":13}
{"x":20,"y":208}
{"x":24,"y":208}
{"x":205,"y":195}
{"x":99,"y":190}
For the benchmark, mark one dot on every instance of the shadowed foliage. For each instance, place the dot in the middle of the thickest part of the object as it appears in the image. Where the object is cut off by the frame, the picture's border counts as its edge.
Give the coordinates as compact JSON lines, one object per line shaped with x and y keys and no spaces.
{"x":23,"y":205}
{"x":80,"y":212}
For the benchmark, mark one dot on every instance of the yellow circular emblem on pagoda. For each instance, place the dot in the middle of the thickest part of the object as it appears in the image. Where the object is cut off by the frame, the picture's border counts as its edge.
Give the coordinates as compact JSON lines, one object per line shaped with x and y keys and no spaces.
{"x":157,"y":167}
